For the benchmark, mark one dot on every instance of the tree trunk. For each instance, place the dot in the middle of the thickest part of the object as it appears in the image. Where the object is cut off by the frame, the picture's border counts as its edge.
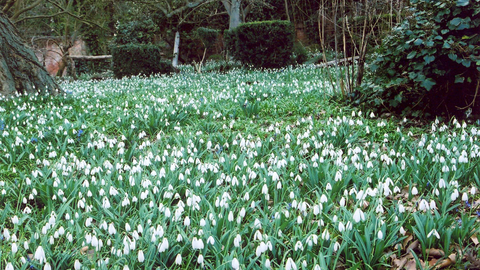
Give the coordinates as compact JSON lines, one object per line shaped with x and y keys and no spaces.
{"x":176,"y":49}
{"x":20,"y":70}
{"x":233,"y":8}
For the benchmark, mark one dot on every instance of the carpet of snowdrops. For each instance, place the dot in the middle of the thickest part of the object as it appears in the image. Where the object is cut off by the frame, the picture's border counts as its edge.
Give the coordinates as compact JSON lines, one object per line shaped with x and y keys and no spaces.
{"x":243,"y":170}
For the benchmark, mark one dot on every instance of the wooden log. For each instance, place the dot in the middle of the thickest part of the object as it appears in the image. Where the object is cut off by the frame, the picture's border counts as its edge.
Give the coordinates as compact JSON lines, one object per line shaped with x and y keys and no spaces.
{"x":339,"y":62}
{"x":90,"y":57}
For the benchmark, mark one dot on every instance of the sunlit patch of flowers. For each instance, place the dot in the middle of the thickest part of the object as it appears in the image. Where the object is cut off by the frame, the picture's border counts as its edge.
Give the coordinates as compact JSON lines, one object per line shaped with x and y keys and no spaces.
{"x":167,"y":172}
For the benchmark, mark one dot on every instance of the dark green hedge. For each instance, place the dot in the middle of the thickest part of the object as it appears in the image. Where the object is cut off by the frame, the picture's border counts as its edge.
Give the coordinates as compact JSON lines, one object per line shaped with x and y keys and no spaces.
{"x":135,"y":59}
{"x":267,"y":44}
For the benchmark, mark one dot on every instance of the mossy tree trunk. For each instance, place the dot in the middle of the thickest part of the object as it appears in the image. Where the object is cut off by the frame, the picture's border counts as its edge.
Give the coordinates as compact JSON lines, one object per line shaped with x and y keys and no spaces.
{"x":20,"y":70}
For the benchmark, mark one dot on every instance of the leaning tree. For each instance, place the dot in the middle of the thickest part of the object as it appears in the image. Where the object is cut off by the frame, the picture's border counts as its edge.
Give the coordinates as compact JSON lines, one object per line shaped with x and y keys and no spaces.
{"x":20,"y":70}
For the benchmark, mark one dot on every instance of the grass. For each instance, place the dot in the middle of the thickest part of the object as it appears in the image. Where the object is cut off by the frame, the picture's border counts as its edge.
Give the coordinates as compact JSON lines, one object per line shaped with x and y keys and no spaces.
{"x":244,"y":169}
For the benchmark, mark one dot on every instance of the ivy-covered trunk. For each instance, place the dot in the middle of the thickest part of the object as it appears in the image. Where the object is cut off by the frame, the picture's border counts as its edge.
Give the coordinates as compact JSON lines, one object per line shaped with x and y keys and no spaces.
{"x":20,"y":70}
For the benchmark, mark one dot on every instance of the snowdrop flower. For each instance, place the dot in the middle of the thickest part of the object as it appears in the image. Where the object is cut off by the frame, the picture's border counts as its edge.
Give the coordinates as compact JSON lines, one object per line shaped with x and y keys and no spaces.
{"x":211,"y":240}
{"x":441,"y":183}
{"x":290,"y":264}
{"x":358,"y":215}
{"x":298,"y":246}
{"x":141,"y":256}
{"x":47,"y":266}
{"x":414,"y":191}
{"x":237,"y":240}
{"x":267,"y":263}
{"x":9,"y":266}
{"x":380,"y":235}
{"x":197,"y":243}
{"x":423,"y":205}
{"x":40,"y":255}
{"x":235,"y":264}
{"x":163,"y":246}
{"x":200,"y":259}
{"x":178,"y":259}
{"x":433,"y":232}
{"x":111,"y":229}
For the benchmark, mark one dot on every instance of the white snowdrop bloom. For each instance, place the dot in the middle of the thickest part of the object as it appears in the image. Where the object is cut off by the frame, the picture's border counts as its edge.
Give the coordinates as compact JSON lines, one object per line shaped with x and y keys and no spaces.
{"x":401,"y":208}
{"x":454,"y":195}
{"x":9,"y":266}
{"x":111,"y":229}
{"x":257,"y":223}
{"x":47,"y":266}
{"x":163,"y":246}
{"x":325,"y":235}
{"x":316,"y":209}
{"x":125,"y":267}
{"x":342,"y":202}
{"x":414,"y":191}
{"x":433,"y":205}
{"x":127,"y":227}
{"x":40,"y":255}
{"x":423,"y":205}
{"x":235,"y":264}
{"x":434,"y":233}
{"x":141,"y":256}
{"x":267,"y":263}
{"x":230,"y":216}
{"x":237,"y":240}
{"x":14,"y":248}
{"x":358,"y":215}
{"x":402,"y":231}
{"x":323,"y":198}
{"x":203,"y":222}
{"x":179,"y":238}
{"x":341,"y":227}
{"x":178,"y":259}
{"x":15,"y":220}
{"x":6,"y":234}
{"x":211,"y":240}
{"x":290,"y":264}
{"x":197,"y":243}
{"x":299,"y":220}
{"x":200,"y":259}
{"x":298,"y":246}
{"x":380,"y":235}
{"x":464,"y":197}
{"x":473,"y":190}
{"x":441,"y":183}
{"x":186,"y":221}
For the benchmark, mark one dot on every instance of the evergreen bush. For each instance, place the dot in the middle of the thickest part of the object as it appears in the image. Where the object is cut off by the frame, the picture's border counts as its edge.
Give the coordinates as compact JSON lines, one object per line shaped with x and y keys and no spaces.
{"x":267,"y":44}
{"x":135,"y":59}
{"x":430,"y":63}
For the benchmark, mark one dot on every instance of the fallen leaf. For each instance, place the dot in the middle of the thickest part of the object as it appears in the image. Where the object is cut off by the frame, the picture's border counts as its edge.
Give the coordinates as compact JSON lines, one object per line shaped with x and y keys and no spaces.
{"x":412,"y":246}
{"x":444,"y":263}
{"x":435,"y":252}
{"x":474,"y":239}
{"x":411,"y":265}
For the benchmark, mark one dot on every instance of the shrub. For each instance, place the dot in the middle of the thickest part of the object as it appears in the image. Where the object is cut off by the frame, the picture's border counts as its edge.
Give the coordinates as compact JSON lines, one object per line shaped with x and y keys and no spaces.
{"x":430,"y":63}
{"x":135,"y":59}
{"x":300,"y":54}
{"x":266,"y":44}
{"x":207,"y":36}
{"x":141,"y":31}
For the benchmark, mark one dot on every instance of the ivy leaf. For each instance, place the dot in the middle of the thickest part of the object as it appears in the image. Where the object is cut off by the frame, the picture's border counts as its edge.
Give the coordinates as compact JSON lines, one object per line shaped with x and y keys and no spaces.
{"x":459,"y":79}
{"x":456,"y":21}
{"x":462,"y":3}
{"x":411,"y":55}
{"x":428,"y":84}
{"x":428,"y":59}
{"x":418,"y":41}
{"x":452,"y":56}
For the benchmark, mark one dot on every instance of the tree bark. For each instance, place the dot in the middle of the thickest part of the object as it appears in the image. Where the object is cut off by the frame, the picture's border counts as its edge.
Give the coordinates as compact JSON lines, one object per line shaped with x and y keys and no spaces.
{"x":20,"y":70}
{"x":233,"y":8}
{"x":176,"y":49}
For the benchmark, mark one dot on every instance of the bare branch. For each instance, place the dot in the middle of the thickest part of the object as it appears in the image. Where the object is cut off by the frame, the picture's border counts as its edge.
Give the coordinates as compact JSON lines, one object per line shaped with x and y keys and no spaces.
{"x":21,"y":11}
